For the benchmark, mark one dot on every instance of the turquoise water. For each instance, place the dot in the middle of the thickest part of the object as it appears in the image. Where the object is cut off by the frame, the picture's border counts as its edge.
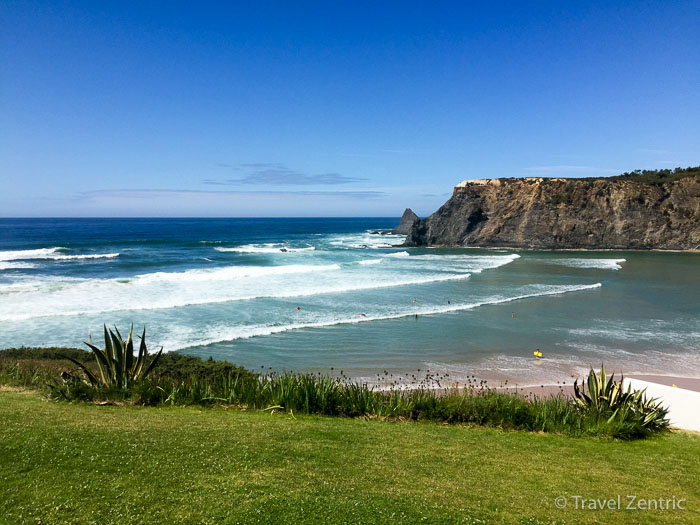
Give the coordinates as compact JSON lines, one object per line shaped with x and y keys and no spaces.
{"x":316,"y":294}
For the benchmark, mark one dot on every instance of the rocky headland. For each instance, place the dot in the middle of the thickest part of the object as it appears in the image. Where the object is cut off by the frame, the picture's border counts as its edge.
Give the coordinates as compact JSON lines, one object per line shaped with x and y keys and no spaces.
{"x":638,"y":210}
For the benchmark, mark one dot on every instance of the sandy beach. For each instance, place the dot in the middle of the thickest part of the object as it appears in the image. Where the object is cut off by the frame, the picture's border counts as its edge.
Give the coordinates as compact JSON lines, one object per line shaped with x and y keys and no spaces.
{"x":687,"y":383}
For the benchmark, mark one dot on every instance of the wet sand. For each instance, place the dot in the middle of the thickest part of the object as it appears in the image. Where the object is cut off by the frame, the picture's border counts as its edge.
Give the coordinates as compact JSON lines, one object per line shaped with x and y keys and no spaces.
{"x":567,"y":389}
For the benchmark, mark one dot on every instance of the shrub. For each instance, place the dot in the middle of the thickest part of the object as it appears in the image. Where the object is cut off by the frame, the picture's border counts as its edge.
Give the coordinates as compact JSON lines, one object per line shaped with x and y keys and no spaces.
{"x":116,"y":363}
{"x":608,"y":400}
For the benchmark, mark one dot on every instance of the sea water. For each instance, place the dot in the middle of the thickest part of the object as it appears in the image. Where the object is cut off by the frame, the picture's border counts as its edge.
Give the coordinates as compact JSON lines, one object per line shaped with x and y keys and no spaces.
{"x":331,"y":295}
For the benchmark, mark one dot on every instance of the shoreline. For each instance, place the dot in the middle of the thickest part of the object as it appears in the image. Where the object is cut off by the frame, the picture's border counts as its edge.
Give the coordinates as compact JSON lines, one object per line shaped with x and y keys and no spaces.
{"x":545,"y":390}
{"x":534,"y":249}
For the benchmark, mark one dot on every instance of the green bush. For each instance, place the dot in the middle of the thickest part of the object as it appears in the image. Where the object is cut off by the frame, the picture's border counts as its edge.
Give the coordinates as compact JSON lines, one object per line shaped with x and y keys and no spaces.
{"x":607,"y":400}
{"x":116,"y":363}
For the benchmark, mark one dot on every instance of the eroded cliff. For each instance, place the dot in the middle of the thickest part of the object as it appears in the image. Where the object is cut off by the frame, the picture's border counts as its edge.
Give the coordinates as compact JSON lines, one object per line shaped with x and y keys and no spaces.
{"x":542,"y":213}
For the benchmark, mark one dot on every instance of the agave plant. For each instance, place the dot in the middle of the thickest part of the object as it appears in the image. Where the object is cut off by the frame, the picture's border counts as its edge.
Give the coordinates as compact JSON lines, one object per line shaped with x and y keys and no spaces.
{"x":117,"y":365}
{"x":610,"y":397}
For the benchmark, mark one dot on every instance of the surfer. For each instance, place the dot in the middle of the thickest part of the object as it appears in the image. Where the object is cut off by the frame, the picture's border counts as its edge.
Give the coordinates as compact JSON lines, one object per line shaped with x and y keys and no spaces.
{"x":537,"y":353}
{"x":363,"y":315}
{"x":297,"y":308}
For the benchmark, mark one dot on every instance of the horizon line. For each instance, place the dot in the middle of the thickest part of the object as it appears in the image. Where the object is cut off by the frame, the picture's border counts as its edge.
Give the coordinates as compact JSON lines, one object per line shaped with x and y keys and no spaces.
{"x":209,"y":217}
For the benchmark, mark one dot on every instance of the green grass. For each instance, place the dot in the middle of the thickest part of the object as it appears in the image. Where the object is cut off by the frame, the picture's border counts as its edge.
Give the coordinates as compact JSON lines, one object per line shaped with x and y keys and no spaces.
{"x":82,"y":463}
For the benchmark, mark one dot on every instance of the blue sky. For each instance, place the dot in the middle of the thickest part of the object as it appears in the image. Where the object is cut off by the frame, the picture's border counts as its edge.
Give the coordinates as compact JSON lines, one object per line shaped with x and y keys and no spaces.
{"x":332,"y":109}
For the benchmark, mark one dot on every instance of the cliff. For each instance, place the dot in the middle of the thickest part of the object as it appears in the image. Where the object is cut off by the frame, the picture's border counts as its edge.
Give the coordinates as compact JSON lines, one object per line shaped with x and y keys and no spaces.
{"x":624,"y":212}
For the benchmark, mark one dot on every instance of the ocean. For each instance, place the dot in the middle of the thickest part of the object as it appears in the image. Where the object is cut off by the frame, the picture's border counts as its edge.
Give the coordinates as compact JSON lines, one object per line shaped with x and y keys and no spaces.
{"x":325,"y":295}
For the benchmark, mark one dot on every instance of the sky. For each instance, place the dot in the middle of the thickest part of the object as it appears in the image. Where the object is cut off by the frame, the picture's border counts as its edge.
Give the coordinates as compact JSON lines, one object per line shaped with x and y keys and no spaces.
{"x":307,"y":109}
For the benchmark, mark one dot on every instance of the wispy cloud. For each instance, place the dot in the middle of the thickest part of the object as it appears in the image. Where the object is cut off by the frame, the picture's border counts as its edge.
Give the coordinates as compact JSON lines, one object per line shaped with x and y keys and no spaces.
{"x":274,"y":174}
{"x":151,"y":193}
{"x":653,"y":151}
{"x":562,"y":169}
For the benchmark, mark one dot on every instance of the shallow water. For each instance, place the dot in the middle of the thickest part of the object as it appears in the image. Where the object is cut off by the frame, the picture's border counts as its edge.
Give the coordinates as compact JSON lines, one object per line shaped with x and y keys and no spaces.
{"x":311,"y":294}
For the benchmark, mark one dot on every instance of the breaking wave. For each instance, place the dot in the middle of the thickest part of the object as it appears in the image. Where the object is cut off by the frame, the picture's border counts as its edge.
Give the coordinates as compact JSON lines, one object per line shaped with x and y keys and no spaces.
{"x":264,"y":248}
{"x":50,"y":253}
{"x":602,"y":264}
{"x":224,"y":333}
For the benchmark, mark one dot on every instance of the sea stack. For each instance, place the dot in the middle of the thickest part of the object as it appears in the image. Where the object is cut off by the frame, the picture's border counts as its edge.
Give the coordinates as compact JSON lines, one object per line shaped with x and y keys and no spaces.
{"x":407,"y":220}
{"x":638,"y":211}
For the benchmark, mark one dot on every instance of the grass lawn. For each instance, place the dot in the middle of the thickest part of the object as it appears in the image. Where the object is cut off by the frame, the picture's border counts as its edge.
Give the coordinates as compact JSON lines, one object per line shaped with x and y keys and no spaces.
{"x":83,"y":463}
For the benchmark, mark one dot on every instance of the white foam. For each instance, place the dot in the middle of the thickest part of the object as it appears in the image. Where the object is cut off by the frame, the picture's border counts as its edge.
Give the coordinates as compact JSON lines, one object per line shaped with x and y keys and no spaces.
{"x":398,"y":254}
{"x":163,"y":290}
{"x":370,"y":262}
{"x":10,"y":265}
{"x":264,"y":248}
{"x":41,"y":253}
{"x":50,"y":253}
{"x":223,"y":333}
{"x":228,"y":273}
{"x":366,"y":240}
{"x":465,"y":263}
{"x":602,"y":264}
{"x":85,"y":256}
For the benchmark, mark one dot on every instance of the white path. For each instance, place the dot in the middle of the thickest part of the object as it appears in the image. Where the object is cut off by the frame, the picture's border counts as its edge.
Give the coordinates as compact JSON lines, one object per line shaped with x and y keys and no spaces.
{"x":683,"y":405}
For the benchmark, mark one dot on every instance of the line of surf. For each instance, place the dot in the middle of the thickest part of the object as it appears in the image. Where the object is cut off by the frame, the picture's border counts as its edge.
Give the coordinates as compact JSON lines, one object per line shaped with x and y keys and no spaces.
{"x":264,"y":248}
{"x":130,"y":304}
{"x":600,"y":264}
{"x":51,"y":254}
{"x":228,"y":334}
{"x":12,"y":265}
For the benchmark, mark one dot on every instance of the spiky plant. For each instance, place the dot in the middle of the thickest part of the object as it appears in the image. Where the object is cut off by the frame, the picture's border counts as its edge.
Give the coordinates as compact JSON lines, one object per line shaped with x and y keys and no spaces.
{"x":116,"y":363}
{"x":610,"y":398}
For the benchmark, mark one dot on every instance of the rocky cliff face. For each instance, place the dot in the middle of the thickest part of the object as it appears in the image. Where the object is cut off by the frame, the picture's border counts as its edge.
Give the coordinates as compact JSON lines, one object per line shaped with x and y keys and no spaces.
{"x":543,"y":213}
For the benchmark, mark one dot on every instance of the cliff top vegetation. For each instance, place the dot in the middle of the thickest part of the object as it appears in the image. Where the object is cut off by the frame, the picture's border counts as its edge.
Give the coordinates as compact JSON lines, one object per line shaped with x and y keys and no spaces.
{"x":659,"y":176}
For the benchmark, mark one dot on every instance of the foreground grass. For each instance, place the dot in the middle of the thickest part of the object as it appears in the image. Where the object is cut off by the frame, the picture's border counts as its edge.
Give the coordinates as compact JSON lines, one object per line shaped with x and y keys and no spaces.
{"x":82,"y":463}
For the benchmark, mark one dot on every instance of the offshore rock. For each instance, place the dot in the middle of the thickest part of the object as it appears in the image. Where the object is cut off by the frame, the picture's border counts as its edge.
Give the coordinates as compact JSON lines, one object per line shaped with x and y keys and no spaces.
{"x":407,"y":220}
{"x":548,"y":213}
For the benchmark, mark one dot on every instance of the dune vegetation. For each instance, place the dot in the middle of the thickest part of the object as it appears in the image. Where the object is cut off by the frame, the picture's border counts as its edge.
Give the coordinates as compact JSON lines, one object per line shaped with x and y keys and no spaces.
{"x":114,"y":375}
